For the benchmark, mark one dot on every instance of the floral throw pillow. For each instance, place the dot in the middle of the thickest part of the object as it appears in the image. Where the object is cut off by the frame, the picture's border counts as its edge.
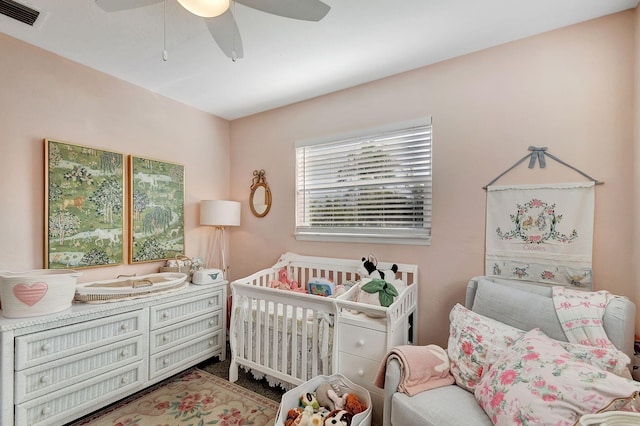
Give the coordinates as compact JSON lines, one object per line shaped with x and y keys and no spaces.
{"x":612,"y":360}
{"x":537,"y":382}
{"x":470,"y":337}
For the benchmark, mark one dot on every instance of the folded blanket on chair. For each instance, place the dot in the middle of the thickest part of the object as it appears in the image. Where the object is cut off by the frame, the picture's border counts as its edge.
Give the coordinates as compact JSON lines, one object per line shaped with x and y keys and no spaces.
{"x":421,"y":368}
{"x":580,"y":313}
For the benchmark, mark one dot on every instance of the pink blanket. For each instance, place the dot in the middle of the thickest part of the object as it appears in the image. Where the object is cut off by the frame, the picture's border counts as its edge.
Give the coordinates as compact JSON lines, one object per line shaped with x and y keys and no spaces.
{"x":421,"y":368}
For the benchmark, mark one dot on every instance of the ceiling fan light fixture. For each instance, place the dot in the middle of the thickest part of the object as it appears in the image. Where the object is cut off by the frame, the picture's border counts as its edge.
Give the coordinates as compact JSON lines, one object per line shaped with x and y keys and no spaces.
{"x":205,"y":8}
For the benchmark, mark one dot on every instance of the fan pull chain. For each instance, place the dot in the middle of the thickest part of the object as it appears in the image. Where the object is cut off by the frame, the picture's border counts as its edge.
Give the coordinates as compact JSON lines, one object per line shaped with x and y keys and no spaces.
{"x":234,"y":55}
{"x":165,"y":53}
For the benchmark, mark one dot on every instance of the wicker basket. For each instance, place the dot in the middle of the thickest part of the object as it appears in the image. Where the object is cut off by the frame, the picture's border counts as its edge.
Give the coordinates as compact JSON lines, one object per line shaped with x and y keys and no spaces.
{"x":611,"y":418}
{"x":128,"y":288}
{"x":291,"y":399}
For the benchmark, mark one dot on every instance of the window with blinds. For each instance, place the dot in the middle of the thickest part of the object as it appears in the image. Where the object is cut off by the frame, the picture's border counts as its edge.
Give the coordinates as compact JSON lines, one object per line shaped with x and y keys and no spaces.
{"x":371,"y":187}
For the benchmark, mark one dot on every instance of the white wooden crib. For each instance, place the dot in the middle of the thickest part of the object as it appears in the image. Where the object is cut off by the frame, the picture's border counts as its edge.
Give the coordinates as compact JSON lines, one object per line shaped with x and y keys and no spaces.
{"x":291,"y":337}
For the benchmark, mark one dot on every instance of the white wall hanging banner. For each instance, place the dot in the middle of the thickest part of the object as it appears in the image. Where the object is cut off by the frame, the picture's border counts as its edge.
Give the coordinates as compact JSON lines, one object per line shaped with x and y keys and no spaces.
{"x":541,"y":233}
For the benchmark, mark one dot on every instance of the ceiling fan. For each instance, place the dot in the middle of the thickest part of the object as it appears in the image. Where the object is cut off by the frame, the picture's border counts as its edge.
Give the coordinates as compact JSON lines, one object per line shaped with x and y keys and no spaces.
{"x":220,"y":20}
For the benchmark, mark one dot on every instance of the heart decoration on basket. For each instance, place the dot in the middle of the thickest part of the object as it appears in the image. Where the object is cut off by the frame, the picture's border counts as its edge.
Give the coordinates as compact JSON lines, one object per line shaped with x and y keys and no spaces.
{"x":30,"y":294}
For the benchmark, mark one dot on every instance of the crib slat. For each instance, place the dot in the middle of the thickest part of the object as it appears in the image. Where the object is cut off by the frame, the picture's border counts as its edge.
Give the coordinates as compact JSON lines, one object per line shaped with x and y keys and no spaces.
{"x":260,"y":307}
{"x":305,"y":336}
{"x":285,"y":327}
{"x":314,"y":343}
{"x":293,"y":347}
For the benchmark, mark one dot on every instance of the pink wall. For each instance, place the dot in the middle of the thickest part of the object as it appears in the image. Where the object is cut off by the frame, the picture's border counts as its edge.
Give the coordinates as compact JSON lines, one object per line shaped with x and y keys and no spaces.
{"x":569,"y":90}
{"x":636,"y":163}
{"x":45,"y":96}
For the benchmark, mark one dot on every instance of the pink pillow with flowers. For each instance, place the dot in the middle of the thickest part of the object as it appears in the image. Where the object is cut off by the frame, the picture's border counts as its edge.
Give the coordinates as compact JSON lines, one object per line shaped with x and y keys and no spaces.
{"x":470,"y":337}
{"x":612,"y":360}
{"x":537,"y":381}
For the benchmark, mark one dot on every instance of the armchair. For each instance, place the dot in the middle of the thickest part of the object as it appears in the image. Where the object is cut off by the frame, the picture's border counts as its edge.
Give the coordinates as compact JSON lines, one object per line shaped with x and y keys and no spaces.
{"x":517,"y":304}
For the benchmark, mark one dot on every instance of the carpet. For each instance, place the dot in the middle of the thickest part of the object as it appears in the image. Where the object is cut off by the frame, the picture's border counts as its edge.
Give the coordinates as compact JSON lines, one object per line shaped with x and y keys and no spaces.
{"x":194,"y":398}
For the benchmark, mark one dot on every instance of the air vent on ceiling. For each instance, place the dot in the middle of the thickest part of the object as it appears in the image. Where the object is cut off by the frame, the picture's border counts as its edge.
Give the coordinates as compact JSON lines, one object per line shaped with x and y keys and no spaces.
{"x":18,"y":11}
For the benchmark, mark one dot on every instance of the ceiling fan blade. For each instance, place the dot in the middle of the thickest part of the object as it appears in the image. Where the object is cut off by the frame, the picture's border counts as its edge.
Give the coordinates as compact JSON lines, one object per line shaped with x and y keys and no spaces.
{"x":225,"y":32}
{"x":117,"y":5}
{"x":306,"y":10}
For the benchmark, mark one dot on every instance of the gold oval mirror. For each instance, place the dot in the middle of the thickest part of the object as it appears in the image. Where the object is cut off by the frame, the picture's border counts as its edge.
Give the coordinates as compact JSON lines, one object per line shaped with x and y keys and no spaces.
{"x":260,"y":199}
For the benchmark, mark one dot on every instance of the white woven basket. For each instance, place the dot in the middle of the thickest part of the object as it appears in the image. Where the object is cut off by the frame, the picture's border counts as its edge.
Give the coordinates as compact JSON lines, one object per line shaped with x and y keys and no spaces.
{"x":291,"y":399}
{"x":610,"y":418}
{"x":38,"y":292}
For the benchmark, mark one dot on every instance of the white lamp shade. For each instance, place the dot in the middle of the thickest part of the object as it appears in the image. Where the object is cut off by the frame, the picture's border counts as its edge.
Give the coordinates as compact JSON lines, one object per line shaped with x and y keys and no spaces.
{"x":220,"y":213}
{"x":205,"y":8}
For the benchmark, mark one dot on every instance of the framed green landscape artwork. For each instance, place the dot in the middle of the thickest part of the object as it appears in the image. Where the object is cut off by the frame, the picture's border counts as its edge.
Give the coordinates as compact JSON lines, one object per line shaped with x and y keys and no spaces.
{"x":84,"y":206}
{"x":156,"y":209}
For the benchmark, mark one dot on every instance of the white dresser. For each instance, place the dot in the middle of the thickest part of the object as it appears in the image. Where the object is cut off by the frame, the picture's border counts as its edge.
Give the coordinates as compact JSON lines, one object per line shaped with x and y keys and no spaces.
{"x":56,"y":368}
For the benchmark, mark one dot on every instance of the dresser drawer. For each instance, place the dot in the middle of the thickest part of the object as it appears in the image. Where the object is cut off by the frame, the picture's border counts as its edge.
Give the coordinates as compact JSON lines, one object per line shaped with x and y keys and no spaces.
{"x":46,"y":346}
{"x":185,"y":331}
{"x":359,"y":370}
{"x":46,"y":378}
{"x":363,"y":342}
{"x":171,"y":313}
{"x":82,"y":397}
{"x":187,"y":353}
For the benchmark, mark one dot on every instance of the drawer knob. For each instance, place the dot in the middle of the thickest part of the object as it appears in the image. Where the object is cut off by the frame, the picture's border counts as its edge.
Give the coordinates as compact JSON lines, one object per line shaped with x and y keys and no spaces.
{"x":360,"y":343}
{"x":124,"y":353}
{"x":211,"y":322}
{"x":46,"y":411}
{"x":211,"y":302}
{"x":211,"y":342}
{"x":45,"y":348}
{"x":124,"y":380}
{"x":124,"y":327}
{"x":165,"y":316}
{"x":44,"y":380}
{"x":361,"y":372}
{"x":165,"y":338}
{"x":165,"y":361}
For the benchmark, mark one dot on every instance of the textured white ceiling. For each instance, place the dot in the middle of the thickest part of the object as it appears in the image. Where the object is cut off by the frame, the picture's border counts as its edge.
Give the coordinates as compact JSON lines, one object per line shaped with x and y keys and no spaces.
{"x":287,"y":61}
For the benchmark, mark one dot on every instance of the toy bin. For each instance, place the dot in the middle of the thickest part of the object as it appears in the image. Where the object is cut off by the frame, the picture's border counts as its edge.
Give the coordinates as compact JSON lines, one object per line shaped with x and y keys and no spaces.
{"x":291,"y":399}
{"x":39,"y":292}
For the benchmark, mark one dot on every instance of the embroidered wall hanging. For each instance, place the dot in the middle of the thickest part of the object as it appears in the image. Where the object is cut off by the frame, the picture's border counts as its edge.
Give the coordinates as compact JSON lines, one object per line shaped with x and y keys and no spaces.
{"x":541,"y":233}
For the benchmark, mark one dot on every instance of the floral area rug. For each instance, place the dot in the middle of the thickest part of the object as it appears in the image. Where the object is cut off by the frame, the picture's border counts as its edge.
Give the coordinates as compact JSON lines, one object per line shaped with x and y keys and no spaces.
{"x":195,"y":398}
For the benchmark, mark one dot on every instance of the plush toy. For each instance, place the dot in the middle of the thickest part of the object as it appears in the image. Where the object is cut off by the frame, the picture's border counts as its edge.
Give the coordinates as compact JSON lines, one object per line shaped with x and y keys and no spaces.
{"x":353,"y":405}
{"x":309,"y":399}
{"x":316,"y":419}
{"x":279,"y":285}
{"x":339,"y":290}
{"x":369,"y":269}
{"x":378,"y":288}
{"x":292,"y":416}
{"x":338,"y":418}
{"x":285,"y":283}
{"x":293,"y":284}
{"x":307,"y":417}
{"x":329,"y":398}
{"x":304,"y":419}
{"x":385,"y":291}
{"x":378,"y":292}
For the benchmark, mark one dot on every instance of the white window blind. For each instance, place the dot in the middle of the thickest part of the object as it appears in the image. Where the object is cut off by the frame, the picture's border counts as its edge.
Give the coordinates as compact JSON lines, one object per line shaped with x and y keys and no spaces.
{"x":373,"y":187}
